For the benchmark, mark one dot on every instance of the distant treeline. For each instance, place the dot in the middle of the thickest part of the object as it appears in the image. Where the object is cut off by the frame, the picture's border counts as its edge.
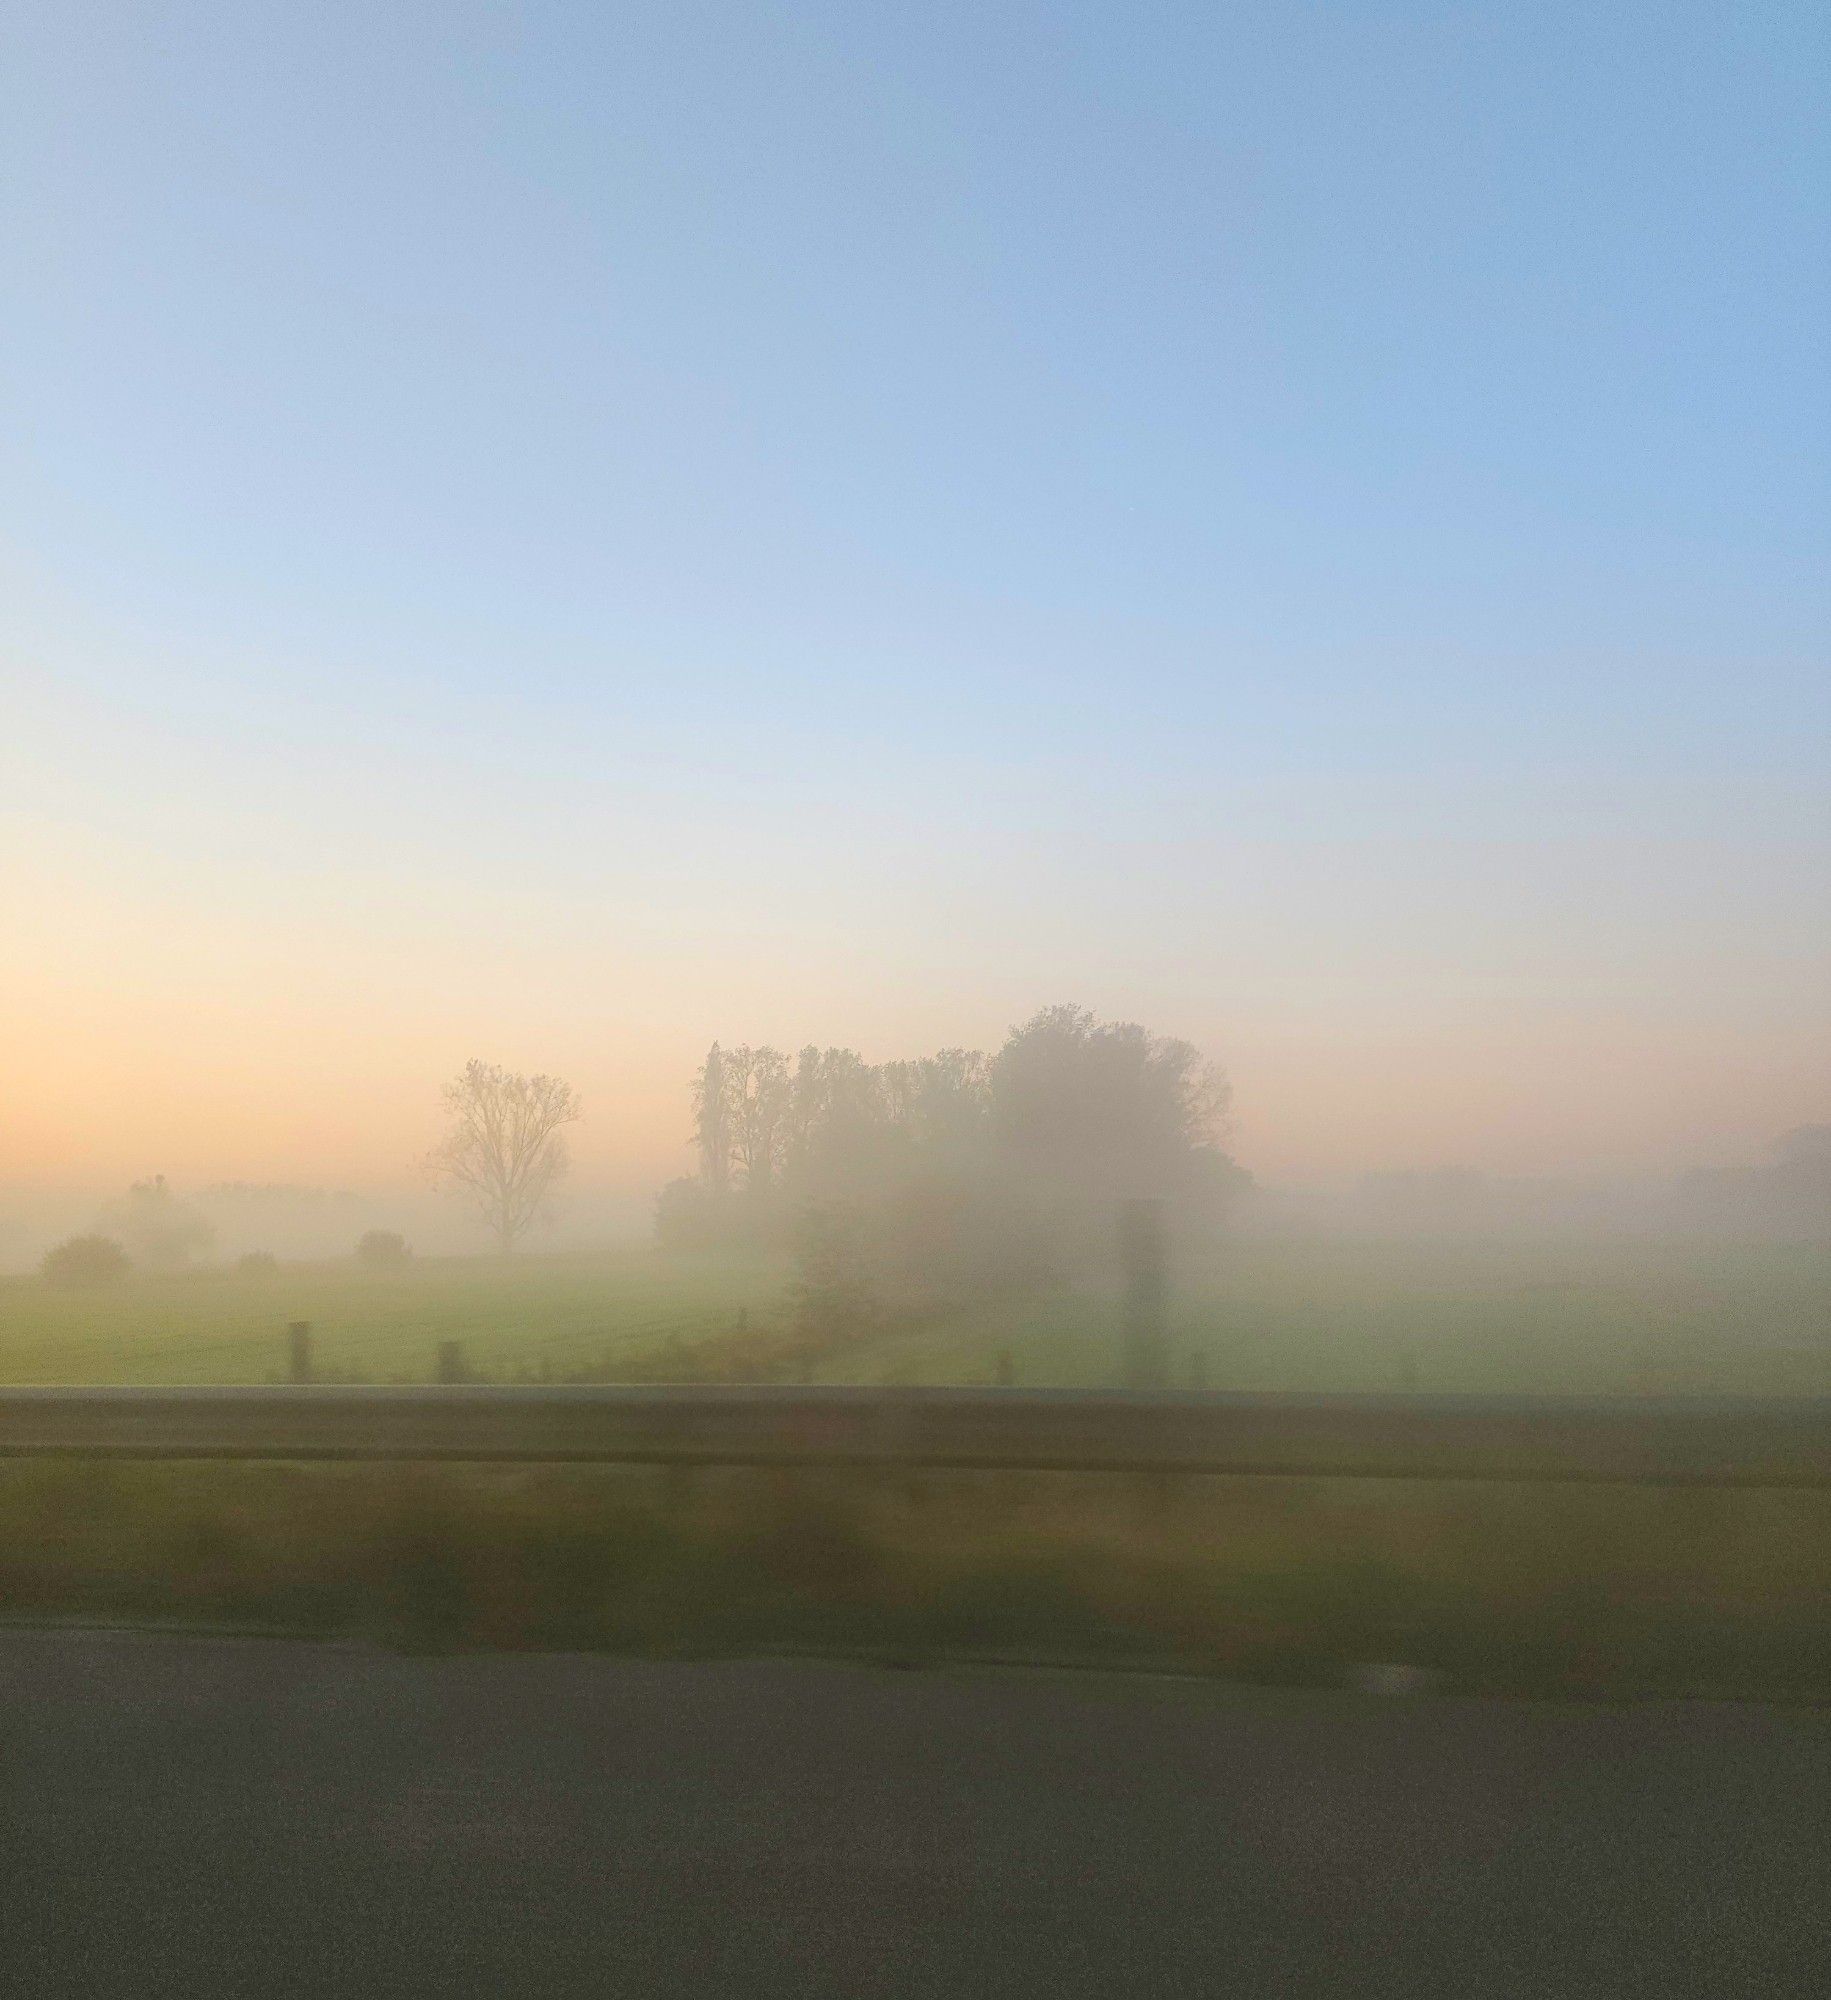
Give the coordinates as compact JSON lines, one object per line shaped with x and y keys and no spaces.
{"x":957,"y":1169}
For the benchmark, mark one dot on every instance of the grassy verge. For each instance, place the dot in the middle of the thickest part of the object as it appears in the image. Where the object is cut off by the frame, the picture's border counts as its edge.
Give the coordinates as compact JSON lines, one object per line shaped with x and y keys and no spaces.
{"x":1497,"y":1589}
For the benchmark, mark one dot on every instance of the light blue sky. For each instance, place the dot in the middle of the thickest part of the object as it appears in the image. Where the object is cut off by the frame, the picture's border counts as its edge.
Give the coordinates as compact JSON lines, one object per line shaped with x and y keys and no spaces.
{"x":855,"y":520}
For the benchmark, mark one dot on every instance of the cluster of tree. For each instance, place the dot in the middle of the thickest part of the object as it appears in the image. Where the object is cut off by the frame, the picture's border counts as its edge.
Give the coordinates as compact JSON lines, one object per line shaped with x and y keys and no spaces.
{"x":149,"y":1226}
{"x":953,"y":1172}
{"x":504,"y":1151}
{"x":295,"y":1222}
{"x":160,"y":1231}
{"x":157,"y":1229}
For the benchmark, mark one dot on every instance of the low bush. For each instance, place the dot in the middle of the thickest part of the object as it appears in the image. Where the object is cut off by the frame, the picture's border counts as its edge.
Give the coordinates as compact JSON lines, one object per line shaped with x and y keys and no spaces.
{"x":86,"y":1260}
{"x":383,"y":1250}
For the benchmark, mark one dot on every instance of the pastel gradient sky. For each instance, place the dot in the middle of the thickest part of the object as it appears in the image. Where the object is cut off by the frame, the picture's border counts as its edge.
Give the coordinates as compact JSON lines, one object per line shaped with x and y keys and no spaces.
{"x":562,"y":531}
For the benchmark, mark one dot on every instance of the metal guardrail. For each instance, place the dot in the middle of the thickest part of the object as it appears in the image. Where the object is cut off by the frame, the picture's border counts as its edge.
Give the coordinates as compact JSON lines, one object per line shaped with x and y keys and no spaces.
{"x":1743,"y":1442}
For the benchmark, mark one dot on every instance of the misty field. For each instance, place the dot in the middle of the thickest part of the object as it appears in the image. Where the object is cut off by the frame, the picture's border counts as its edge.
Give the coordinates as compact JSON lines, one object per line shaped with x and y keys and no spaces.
{"x":573,"y":1314}
{"x":1324,"y":1315}
{"x":1259,"y":1313}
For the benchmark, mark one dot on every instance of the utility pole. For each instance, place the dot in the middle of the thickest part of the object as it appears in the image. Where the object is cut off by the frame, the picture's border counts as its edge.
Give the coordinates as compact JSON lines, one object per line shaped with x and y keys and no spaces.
{"x":1145,"y":1351}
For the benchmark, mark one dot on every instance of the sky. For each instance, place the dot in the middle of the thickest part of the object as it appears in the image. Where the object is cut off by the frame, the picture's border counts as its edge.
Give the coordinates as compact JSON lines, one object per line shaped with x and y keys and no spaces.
{"x":559,"y":532}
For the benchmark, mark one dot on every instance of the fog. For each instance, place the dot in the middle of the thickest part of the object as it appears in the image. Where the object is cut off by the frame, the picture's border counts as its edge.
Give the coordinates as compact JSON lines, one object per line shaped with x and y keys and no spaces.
{"x":964,"y":866}
{"x":1036,"y":1140}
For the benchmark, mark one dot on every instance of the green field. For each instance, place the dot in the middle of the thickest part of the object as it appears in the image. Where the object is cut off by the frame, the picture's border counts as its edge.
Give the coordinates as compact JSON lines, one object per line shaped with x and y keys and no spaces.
{"x":1259,"y":1314}
{"x":1591,"y":1318}
{"x":200,"y":1326}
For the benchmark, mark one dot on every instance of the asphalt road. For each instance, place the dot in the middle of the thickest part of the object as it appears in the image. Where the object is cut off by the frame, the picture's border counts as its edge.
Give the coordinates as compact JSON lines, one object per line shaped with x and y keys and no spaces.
{"x":229,"y":1817}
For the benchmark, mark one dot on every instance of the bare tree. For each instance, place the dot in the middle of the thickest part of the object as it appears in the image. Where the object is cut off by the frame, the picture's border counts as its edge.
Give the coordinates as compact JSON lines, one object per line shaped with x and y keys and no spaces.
{"x":505,"y":1147}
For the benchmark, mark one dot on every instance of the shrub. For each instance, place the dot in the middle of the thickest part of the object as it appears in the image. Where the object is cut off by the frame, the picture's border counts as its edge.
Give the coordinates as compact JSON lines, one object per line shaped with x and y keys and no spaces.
{"x":257,"y":1263}
{"x":383,"y":1250}
{"x":835,"y":1289}
{"x":689,"y":1216}
{"x":84,"y":1260}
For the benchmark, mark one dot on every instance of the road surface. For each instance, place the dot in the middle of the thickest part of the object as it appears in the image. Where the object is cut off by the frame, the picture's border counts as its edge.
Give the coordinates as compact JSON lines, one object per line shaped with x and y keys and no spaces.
{"x":214,"y":1817}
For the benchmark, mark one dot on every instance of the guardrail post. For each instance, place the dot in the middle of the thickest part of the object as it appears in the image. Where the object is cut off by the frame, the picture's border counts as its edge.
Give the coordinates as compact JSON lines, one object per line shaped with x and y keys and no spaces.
{"x":299,"y":1351}
{"x":451,"y":1361}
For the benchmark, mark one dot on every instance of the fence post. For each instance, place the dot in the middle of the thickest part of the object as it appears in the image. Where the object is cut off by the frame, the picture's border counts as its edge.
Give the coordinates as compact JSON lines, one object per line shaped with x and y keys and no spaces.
{"x":299,"y":1351}
{"x":451,"y":1361}
{"x":1145,"y":1353}
{"x":1007,"y":1374}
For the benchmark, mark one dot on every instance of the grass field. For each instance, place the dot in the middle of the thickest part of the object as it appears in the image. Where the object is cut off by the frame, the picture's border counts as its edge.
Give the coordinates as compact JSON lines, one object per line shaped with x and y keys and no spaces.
{"x":1589,"y":1318}
{"x":222,"y":1326}
{"x":1261,"y":1314}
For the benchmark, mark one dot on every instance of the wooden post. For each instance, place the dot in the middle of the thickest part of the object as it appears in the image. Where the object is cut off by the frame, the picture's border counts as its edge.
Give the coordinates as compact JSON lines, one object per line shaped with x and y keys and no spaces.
{"x":1198,"y":1370}
{"x":1007,"y":1374}
{"x":451,"y":1361}
{"x":1146,"y":1349}
{"x":299,"y":1351}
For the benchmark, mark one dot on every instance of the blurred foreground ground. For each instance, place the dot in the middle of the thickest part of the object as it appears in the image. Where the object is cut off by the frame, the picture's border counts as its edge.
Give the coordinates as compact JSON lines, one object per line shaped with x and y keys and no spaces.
{"x":1493,"y":1588}
{"x":211,"y":1817}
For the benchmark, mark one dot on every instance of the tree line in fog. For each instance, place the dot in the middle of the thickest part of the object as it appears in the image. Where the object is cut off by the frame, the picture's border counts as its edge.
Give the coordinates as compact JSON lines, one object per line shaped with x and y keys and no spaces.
{"x":955,"y":1171}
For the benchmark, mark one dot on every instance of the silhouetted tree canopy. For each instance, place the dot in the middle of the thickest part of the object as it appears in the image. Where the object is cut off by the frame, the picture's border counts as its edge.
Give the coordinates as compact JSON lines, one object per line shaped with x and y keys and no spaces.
{"x":1107,"y":1110}
{"x":953,"y":1170}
